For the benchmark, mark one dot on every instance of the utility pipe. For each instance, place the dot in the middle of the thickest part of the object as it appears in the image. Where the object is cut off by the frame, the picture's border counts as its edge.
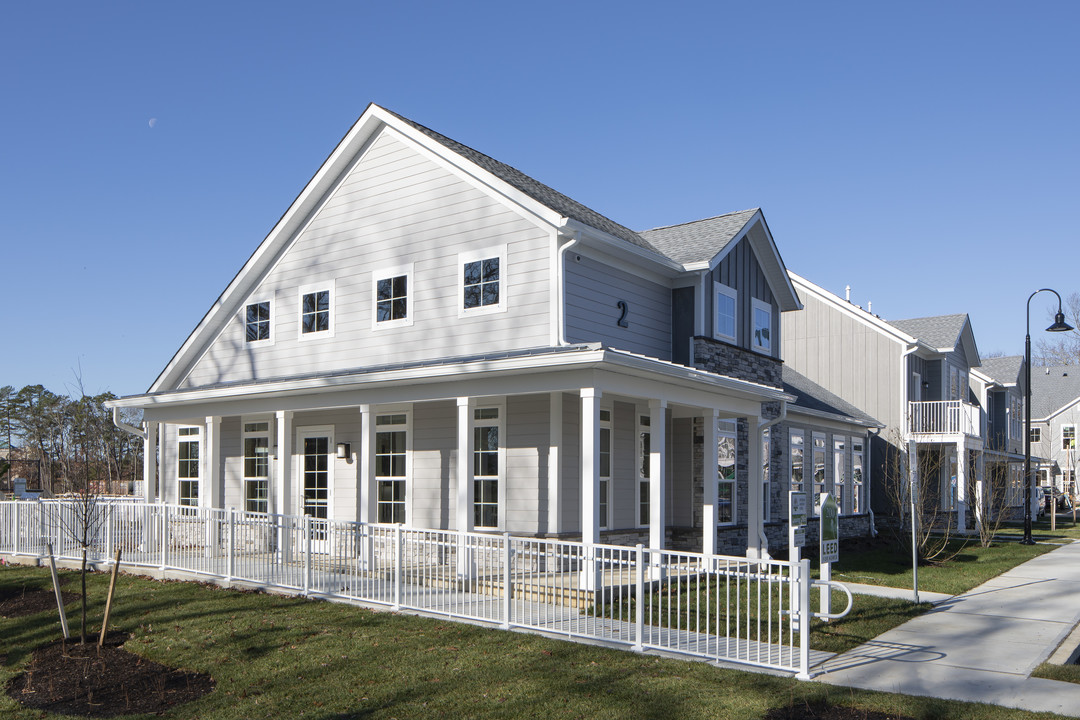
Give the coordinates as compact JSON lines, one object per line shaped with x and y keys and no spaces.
{"x":560,"y":273}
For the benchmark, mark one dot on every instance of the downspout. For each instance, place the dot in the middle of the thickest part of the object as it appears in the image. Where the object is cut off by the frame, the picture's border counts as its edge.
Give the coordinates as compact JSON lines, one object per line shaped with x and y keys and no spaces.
{"x":869,"y":460}
{"x":560,"y":274}
{"x":763,"y":539}
{"x":129,"y":429}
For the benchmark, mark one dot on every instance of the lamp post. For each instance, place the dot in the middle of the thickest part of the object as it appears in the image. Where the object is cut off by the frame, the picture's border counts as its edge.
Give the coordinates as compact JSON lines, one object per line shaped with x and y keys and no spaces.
{"x":1059,"y":326}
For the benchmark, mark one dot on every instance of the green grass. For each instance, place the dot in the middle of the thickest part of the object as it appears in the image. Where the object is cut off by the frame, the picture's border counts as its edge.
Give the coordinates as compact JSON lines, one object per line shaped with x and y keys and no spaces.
{"x":1064,"y":673}
{"x":1064,"y":531}
{"x":276,"y":657}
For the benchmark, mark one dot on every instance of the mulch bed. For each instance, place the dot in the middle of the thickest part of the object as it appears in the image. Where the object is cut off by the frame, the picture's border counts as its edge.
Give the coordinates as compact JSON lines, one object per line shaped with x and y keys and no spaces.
{"x":89,"y":681}
{"x":821,"y":711}
{"x":22,"y":601}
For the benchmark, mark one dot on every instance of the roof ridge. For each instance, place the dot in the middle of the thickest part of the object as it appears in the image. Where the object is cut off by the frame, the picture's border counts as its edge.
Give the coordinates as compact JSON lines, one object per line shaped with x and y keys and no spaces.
{"x":700,"y":220}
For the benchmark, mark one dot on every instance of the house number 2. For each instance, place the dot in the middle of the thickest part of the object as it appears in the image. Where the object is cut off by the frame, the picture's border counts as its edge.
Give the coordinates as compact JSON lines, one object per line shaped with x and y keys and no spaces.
{"x":622,"y":305}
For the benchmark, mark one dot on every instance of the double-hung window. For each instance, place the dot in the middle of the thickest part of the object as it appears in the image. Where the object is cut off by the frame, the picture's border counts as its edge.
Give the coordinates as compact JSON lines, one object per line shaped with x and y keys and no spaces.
{"x":765,"y":479}
{"x":487,"y":467}
{"x":1036,"y":435}
{"x":819,"y":470}
{"x":316,"y":311}
{"x":187,"y":470}
{"x":726,"y":466}
{"x":857,"y":475}
{"x":796,"y":457}
{"x":762,"y":317}
{"x":725,"y":313}
{"x":605,"y":467}
{"x":392,"y":297}
{"x":644,"y":468}
{"x":257,"y":466}
{"x":839,"y":472}
{"x":1068,"y":437}
{"x":257,"y":322}
{"x":391,"y":466}
{"x":482,"y":281}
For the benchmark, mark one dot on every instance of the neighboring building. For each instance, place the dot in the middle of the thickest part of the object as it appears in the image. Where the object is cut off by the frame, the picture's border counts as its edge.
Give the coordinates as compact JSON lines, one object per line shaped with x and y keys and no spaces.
{"x":430,"y":337}
{"x":998,"y":387}
{"x":1055,"y":419}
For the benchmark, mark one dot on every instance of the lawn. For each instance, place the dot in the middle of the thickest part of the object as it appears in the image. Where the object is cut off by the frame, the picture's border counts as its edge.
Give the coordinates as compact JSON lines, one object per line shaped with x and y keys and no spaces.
{"x":275,"y":657}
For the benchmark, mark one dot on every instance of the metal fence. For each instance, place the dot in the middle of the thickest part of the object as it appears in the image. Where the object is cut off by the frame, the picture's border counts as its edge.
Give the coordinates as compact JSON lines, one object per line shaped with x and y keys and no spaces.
{"x":712,"y":607}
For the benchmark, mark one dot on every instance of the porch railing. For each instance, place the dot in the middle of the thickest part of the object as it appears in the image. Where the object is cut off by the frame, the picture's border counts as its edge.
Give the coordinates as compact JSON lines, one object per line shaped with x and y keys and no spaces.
{"x":944,"y":417}
{"x":714,"y":607}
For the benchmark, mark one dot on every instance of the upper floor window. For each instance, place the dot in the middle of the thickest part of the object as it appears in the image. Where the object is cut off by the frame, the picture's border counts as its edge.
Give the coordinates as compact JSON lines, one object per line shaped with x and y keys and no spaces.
{"x":1036,"y":435}
{"x":390,"y":290}
{"x":762,"y":326}
{"x":725,"y":313}
{"x":482,"y":281}
{"x":1068,"y":437}
{"x":257,"y":321}
{"x":316,"y":311}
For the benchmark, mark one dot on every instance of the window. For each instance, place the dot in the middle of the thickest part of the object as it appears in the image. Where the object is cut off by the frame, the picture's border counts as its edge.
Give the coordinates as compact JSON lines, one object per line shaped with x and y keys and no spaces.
{"x":391,"y":434}
{"x":257,"y":322}
{"x":315,"y":312}
{"x":725,"y":313}
{"x":839,"y":472}
{"x":796,"y":460}
{"x":390,"y":297}
{"x":762,"y":339}
{"x":765,"y":469}
{"x":644,"y":468}
{"x":316,"y":478}
{"x":486,"y":468}
{"x":188,"y":464}
{"x":1068,"y":437}
{"x":257,"y":467}
{"x":605,"y":466}
{"x":1016,"y":419}
{"x":857,"y":475}
{"x":819,"y":471}
{"x":1036,"y":435}
{"x":482,"y":281}
{"x":726,"y":465}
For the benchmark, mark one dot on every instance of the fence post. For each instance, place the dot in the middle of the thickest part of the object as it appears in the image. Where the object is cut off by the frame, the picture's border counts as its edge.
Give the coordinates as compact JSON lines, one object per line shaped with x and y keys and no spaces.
{"x":18,"y":526}
{"x":639,"y":604}
{"x":307,"y":555}
{"x":507,"y":589}
{"x":108,"y":531}
{"x":164,"y":536}
{"x":804,"y":619}
{"x":398,"y":561}
{"x":230,"y":561}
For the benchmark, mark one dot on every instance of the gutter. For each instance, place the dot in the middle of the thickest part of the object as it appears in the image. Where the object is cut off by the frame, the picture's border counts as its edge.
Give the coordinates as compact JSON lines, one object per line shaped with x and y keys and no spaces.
{"x":560,"y":280}
{"x":129,"y":429}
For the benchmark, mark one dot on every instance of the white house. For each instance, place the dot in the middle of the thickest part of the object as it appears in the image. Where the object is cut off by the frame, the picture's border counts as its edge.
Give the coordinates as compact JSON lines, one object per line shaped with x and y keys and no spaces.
{"x":430,"y":337}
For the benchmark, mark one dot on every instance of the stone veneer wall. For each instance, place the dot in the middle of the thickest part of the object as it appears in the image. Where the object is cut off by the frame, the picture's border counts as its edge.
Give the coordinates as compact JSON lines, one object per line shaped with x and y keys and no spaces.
{"x":733,"y":361}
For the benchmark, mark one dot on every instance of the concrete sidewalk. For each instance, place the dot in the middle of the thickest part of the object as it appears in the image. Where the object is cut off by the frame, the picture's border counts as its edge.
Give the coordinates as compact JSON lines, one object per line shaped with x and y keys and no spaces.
{"x":980,"y":646}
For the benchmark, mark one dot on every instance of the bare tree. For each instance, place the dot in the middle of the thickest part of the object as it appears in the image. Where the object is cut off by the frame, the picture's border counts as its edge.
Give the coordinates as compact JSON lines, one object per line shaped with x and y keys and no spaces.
{"x":1062,"y":348}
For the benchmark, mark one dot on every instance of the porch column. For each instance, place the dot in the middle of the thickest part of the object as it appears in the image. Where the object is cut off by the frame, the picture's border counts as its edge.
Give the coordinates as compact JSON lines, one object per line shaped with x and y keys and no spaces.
{"x":591,"y":572}
{"x":657,"y":475}
{"x":367,"y":491}
{"x":211,"y":490}
{"x":150,"y":451}
{"x":554,"y":464}
{"x":961,"y":487}
{"x":980,"y":491}
{"x":283,"y":471}
{"x":710,"y":479}
{"x":465,"y":562}
{"x":755,"y":519}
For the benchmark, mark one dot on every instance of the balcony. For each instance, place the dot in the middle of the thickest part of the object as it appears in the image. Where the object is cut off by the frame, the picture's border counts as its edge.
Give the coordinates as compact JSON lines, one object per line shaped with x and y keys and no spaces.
{"x":944,"y":417}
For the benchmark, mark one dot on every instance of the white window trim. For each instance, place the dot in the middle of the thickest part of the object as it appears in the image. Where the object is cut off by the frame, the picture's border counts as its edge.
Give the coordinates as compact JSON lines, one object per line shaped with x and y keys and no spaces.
{"x":840,"y":478}
{"x":269,"y":435}
{"x":1036,"y":434}
{"x":814,"y":437}
{"x":301,"y":433}
{"x":1075,"y":444}
{"x":860,"y":453}
{"x":405,"y":410}
{"x":473,"y":256}
{"x":792,"y":434}
{"x":606,"y":519}
{"x":720,"y":289}
{"x":500,"y":423}
{"x":756,"y":305}
{"x":243,"y":322}
{"x":410,"y":296}
{"x":722,"y":431}
{"x":196,"y":437}
{"x":638,"y":474}
{"x":328,"y":285}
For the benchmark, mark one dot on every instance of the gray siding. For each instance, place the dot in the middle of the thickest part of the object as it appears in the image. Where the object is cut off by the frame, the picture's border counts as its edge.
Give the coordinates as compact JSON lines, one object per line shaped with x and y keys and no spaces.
{"x":395,"y":207}
{"x":528,"y":433}
{"x":433,"y":495}
{"x":741,"y":271}
{"x":593,"y":290}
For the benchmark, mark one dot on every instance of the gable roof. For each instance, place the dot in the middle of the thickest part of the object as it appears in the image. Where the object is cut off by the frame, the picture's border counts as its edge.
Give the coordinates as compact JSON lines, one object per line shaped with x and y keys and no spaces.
{"x":1053,"y":389}
{"x":1003,"y":370}
{"x":811,"y":396}
{"x":700,"y":240}
{"x":944,"y":333}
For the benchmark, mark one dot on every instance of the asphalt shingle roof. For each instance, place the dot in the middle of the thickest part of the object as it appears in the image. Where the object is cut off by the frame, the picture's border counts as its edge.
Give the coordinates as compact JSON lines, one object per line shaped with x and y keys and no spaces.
{"x":1003,"y":369}
{"x":941,"y":331}
{"x":811,"y":396}
{"x":700,"y":240}
{"x":1052,"y":388}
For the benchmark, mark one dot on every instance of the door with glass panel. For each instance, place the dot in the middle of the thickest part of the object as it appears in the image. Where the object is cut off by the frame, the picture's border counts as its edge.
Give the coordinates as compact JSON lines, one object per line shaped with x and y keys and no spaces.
{"x":316,"y":477}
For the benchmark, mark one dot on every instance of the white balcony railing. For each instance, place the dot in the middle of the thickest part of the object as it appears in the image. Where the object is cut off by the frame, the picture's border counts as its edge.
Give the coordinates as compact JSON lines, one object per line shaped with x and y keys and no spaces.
{"x":944,"y":417}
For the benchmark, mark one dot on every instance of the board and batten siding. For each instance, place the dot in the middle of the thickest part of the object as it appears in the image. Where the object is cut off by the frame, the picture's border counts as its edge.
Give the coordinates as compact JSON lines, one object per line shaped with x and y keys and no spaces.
{"x":741,"y":271}
{"x":592,"y":294}
{"x":847,"y":357}
{"x":395,"y":207}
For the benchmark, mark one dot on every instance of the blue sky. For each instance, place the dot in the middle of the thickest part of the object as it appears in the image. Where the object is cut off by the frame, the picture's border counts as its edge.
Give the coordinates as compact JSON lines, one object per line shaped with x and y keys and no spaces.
{"x":924,"y":153}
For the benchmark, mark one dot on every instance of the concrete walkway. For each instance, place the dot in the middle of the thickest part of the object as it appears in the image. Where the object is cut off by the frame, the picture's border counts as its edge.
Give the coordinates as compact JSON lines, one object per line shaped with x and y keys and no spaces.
{"x":980,"y":646}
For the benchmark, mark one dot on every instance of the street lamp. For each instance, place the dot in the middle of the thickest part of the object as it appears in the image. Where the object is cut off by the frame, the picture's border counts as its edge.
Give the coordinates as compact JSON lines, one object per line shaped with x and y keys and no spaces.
{"x":1059,"y":326}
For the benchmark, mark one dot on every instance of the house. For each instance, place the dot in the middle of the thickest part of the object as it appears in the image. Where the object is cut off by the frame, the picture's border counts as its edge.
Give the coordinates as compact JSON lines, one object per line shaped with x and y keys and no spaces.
{"x":1055,"y":417}
{"x":912,"y":376}
{"x":998,"y":388}
{"x":430,"y":337}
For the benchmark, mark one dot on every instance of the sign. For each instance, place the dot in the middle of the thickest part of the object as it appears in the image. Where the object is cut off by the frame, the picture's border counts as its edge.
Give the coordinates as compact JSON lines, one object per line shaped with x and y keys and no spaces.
{"x":830,"y":529}
{"x":797,"y":523}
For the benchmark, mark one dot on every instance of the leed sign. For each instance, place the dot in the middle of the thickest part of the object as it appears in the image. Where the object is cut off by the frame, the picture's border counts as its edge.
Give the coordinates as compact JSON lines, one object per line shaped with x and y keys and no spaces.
{"x":830,"y":529}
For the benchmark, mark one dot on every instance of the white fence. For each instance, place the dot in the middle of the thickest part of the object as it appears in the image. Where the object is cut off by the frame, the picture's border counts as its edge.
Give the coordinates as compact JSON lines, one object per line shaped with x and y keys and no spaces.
{"x":712,"y":607}
{"x":945,"y":417}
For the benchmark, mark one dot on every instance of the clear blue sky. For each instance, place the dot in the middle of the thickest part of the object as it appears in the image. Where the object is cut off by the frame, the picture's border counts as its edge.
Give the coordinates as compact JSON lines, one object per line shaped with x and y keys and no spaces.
{"x":925,"y":153}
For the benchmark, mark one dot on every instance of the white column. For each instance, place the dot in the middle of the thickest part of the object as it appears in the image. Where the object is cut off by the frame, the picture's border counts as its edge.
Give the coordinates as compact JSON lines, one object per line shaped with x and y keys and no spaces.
{"x":657,"y":475}
{"x":150,"y":451}
{"x":980,"y":490}
{"x":554,"y":464}
{"x":710,"y":479}
{"x":961,"y":487}
{"x":755,"y":505}
{"x":466,"y":568}
{"x":590,"y":465}
{"x":211,"y":488}
{"x":283,"y":463}
{"x":366,"y":471}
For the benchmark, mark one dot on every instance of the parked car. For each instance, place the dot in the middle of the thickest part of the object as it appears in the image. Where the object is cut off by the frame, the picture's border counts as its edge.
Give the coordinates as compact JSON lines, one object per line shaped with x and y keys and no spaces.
{"x":1040,"y":501}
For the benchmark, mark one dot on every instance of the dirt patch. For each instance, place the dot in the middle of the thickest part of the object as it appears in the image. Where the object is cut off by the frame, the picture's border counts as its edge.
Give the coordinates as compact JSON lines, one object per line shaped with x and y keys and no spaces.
{"x":30,"y":600}
{"x":823,"y":711}
{"x":89,"y":681}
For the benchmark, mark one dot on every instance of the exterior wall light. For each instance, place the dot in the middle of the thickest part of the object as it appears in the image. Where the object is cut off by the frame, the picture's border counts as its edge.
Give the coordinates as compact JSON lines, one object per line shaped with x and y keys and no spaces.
{"x":343,"y":451}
